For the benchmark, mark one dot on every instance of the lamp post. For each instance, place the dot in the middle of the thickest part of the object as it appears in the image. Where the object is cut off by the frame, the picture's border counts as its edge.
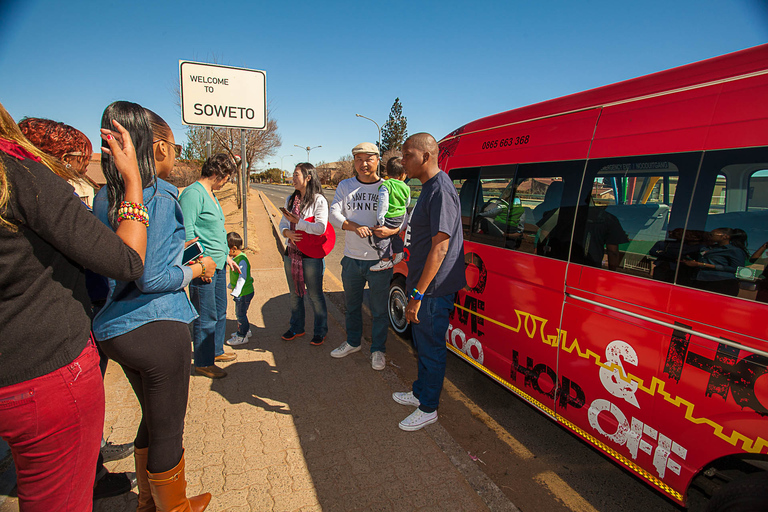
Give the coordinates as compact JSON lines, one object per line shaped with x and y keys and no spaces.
{"x":377,"y":127}
{"x":307,"y":149}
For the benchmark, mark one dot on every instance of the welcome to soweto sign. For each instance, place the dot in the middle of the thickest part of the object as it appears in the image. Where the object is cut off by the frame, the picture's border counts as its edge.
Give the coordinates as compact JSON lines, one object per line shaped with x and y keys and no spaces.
{"x":213,"y":95}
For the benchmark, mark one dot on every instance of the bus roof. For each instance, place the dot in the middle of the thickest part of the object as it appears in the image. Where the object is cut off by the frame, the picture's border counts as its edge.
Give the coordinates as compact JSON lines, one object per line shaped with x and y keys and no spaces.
{"x":743,"y":62}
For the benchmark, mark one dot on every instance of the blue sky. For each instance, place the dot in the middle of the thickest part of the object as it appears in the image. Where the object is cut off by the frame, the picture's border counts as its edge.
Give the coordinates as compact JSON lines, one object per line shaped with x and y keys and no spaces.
{"x":449,"y":62}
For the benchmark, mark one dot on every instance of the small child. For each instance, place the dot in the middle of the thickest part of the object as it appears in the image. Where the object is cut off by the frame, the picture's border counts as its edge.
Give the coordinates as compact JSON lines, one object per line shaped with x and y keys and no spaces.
{"x":242,"y":289}
{"x":394,"y":198}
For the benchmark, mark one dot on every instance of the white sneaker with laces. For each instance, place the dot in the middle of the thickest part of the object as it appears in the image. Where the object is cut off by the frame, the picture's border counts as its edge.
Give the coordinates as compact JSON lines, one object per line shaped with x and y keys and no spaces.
{"x":398,"y":258}
{"x":237,"y":340}
{"x":382,"y":265}
{"x":404,"y":398}
{"x":378,"y":362}
{"x":418,"y":419}
{"x":247,"y":335}
{"x":344,"y":350}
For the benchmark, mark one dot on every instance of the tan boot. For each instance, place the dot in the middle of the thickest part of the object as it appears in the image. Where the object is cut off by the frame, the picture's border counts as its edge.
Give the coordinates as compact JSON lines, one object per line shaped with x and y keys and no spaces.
{"x":169,"y":491}
{"x":146,"y":503}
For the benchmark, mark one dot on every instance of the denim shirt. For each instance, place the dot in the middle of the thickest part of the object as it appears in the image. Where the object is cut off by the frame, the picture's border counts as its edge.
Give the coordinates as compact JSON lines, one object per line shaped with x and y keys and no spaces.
{"x":159,"y":293}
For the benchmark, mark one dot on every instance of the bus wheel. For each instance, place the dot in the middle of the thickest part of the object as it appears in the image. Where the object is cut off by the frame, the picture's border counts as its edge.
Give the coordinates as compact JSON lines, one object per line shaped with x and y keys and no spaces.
{"x":398,"y":300}
{"x":746,"y":494}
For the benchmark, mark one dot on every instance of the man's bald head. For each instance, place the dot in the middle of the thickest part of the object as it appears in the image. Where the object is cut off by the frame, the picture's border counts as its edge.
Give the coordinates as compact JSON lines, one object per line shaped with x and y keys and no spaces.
{"x":424,"y":142}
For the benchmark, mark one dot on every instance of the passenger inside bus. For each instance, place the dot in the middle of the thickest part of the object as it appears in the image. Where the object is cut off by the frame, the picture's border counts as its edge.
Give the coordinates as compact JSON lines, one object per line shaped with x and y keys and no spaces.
{"x":718,"y":260}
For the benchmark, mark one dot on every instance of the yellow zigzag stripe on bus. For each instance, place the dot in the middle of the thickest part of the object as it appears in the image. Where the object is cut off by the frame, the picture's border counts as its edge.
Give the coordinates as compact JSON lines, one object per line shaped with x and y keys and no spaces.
{"x":529,"y":322}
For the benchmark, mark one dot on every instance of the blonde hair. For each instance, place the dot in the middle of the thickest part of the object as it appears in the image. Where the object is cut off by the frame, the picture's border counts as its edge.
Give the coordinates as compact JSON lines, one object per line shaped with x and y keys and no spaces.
{"x":9,"y":130}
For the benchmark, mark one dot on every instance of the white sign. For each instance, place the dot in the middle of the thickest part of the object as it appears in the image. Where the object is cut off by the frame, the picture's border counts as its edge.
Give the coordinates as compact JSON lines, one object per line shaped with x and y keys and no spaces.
{"x":213,"y":95}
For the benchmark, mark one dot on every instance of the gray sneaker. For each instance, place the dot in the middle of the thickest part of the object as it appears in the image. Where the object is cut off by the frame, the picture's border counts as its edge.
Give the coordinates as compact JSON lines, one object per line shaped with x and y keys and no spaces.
{"x":406,"y":398}
{"x":378,"y":362}
{"x":417,"y":420}
{"x":344,"y":350}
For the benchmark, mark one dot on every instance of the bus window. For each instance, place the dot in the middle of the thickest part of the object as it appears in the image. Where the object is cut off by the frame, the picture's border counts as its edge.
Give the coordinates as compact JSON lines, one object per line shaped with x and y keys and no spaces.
{"x":496,"y":190}
{"x":470,"y":196}
{"x":733,"y":230}
{"x":545,"y":199}
{"x":627,"y":222}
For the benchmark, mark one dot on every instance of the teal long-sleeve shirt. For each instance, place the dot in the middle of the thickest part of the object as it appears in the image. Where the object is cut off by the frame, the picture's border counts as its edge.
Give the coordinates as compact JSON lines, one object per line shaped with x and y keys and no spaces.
{"x":204,"y":218}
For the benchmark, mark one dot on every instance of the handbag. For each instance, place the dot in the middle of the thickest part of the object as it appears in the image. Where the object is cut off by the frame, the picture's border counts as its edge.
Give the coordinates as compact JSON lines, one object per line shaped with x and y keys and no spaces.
{"x":317,"y":246}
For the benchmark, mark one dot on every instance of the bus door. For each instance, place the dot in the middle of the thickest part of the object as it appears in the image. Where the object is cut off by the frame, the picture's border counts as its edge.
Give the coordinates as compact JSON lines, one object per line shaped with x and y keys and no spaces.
{"x":625,"y":251}
{"x":716,"y":359}
{"x":516,"y":247}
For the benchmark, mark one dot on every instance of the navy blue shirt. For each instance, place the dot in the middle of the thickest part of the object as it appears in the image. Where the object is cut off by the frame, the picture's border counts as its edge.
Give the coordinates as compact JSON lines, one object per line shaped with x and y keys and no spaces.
{"x":437,"y":211}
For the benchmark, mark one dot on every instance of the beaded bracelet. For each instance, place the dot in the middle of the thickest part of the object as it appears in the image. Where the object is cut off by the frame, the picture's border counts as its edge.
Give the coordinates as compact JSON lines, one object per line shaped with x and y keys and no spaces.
{"x":203,"y":266}
{"x":133,"y":211}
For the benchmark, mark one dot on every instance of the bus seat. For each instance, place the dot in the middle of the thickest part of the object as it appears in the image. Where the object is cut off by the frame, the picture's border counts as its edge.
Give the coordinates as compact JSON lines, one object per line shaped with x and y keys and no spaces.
{"x":552,"y":199}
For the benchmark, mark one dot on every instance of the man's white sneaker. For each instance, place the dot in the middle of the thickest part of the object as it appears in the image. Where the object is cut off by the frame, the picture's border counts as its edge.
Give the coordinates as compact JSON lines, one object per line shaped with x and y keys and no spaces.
{"x":398,"y":258}
{"x":247,"y":335}
{"x":406,"y":398}
{"x":344,"y":350}
{"x":418,"y":419}
{"x":236,"y":340}
{"x":378,"y":362}
{"x":382,"y":265}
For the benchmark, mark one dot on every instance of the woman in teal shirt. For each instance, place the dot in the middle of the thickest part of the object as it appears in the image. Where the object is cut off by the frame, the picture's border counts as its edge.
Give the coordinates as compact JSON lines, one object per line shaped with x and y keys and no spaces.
{"x":204,"y":219}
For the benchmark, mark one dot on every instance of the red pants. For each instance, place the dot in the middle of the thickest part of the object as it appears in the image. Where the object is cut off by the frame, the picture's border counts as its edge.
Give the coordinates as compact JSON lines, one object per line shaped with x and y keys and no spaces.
{"x":53,"y":425}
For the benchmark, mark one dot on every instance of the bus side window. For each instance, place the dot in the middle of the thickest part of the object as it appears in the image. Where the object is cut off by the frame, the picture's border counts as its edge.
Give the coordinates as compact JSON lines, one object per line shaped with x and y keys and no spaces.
{"x":730,"y":219}
{"x":466,"y":182}
{"x":540,"y":219}
{"x":496,"y":187}
{"x":626,"y":219}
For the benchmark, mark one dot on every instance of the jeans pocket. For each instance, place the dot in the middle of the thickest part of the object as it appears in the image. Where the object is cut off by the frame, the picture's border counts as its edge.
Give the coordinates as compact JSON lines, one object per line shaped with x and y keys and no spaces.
{"x":18,"y":415}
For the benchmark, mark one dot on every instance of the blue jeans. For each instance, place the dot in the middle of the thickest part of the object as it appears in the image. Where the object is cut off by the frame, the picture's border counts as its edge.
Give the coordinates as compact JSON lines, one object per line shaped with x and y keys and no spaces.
{"x":241,"y":313}
{"x":429,"y":339}
{"x":313,"y":279}
{"x":209,"y":329}
{"x":354,"y":275}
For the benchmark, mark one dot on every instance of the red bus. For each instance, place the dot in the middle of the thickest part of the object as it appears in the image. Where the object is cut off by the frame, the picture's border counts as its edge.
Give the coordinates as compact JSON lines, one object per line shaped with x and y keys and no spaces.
{"x":615,"y":244}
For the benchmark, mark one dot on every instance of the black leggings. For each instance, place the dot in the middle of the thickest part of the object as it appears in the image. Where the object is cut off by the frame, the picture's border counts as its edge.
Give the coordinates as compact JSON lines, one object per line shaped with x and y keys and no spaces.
{"x":156,"y":357}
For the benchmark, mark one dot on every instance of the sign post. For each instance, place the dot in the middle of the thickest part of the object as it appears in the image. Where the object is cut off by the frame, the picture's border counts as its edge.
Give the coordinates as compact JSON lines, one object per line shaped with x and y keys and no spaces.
{"x":213,"y":95}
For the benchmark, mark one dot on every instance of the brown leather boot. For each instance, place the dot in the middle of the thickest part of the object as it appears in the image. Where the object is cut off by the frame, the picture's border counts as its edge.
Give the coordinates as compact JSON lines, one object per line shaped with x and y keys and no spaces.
{"x":169,"y":491}
{"x":146,"y":503}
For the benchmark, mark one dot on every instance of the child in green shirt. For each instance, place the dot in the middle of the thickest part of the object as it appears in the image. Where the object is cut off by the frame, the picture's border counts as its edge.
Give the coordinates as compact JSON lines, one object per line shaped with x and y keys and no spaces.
{"x":394,"y":198}
{"x":242,"y":289}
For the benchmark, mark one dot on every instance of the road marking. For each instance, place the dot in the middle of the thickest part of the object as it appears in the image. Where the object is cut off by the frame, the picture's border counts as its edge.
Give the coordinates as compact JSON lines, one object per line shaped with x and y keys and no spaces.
{"x":564,"y":492}
{"x":516,"y":446}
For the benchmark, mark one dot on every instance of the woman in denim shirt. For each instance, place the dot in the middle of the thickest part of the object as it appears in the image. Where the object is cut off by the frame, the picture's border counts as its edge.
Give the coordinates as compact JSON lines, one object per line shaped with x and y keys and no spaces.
{"x":144,"y":323}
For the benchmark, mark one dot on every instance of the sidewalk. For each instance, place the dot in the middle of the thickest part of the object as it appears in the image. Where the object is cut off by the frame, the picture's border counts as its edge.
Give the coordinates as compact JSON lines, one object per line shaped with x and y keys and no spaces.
{"x":291,"y":428}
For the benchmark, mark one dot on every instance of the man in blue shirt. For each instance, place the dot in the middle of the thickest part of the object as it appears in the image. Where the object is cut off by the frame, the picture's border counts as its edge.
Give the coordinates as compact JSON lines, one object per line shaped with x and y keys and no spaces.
{"x":435,"y":274}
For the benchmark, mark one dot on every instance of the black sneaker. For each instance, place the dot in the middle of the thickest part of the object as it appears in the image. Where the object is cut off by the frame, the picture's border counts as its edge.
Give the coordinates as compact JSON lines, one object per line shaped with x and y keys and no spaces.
{"x":114,"y":484}
{"x":317,"y":340}
{"x":289,"y":335}
{"x":112,"y":452}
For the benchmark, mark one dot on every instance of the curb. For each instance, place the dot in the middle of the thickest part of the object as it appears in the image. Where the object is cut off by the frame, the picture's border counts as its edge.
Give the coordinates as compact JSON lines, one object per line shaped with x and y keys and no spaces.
{"x":489,"y":492}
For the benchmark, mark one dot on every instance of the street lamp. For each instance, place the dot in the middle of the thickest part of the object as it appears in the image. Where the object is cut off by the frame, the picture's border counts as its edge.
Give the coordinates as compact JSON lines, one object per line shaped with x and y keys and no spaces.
{"x":307,"y":149}
{"x":281,"y":161}
{"x":377,"y":127}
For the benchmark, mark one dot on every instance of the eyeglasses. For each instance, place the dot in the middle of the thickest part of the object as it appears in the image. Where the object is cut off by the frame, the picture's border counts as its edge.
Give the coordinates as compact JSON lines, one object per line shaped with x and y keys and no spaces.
{"x":176,"y":147}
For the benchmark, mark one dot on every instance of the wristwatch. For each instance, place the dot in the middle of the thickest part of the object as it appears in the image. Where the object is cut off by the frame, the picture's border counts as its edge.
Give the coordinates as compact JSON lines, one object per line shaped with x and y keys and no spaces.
{"x":415,"y":295}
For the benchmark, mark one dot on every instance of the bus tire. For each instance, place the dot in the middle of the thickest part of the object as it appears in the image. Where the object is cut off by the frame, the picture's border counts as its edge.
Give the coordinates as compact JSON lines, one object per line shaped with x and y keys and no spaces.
{"x":746,"y":494}
{"x":398,"y":300}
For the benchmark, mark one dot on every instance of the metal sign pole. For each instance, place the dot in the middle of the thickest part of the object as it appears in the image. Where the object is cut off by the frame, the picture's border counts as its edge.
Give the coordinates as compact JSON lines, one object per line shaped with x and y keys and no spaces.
{"x":207,"y":142}
{"x":244,"y":187}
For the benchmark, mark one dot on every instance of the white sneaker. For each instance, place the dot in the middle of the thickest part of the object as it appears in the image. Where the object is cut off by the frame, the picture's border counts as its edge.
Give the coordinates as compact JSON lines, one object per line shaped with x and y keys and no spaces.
{"x":382,"y":265}
{"x":247,"y":335}
{"x":344,"y":350}
{"x":378,"y":362}
{"x":418,"y":419}
{"x":398,"y":258}
{"x":406,"y":398}
{"x":237,"y":340}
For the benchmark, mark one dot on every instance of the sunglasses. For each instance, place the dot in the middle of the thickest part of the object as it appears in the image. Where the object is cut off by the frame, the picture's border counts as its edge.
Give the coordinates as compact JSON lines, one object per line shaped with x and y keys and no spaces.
{"x":176,"y":147}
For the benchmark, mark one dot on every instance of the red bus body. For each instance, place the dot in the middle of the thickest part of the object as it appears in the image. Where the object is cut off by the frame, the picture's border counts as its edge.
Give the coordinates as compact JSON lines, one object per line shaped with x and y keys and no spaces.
{"x":648,"y":360}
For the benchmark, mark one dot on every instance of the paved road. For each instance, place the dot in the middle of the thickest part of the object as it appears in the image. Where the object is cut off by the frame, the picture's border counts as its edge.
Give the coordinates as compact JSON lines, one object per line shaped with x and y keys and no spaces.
{"x":538,"y":464}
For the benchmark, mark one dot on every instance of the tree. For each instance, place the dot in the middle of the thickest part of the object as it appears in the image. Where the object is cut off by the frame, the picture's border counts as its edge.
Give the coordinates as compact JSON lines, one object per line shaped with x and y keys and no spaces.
{"x":395,"y":130}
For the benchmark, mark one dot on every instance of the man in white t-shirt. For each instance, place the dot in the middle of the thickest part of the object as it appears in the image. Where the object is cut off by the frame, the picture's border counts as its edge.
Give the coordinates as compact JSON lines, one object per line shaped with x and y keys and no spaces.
{"x":353,"y":210}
